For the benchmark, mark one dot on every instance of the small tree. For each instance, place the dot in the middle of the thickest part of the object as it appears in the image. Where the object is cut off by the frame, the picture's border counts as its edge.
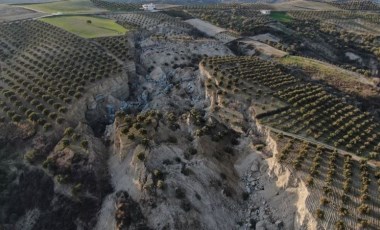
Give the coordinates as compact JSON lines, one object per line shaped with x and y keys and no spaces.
{"x":84,"y":144}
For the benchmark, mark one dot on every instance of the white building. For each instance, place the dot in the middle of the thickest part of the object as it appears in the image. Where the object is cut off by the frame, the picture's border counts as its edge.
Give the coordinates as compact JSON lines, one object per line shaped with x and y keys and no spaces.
{"x":266,"y":12}
{"x":149,"y":7}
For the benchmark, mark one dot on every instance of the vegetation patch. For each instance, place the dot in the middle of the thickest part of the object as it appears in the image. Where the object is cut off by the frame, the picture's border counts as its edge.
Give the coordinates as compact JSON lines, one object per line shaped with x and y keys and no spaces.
{"x":87,"y":27}
{"x":281,"y":16}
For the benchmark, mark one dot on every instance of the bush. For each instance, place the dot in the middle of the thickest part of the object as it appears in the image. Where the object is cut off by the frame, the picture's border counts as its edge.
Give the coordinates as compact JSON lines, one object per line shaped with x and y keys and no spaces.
{"x":75,"y":137}
{"x":16,"y":118}
{"x":69,"y":132}
{"x":172,"y":139}
{"x":245,"y":195}
{"x":62,"y":179}
{"x":76,"y":189}
{"x":48,"y":163}
{"x":65,"y":142}
{"x":320,"y":214}
{"x":31,"y":156}
{"x":141,"y":156}
{"x":131,"y":136}
{"x":84,"y":144}
{"x":180,"y":193}
{"x":160,"y":184}
{"x":47,"y":126}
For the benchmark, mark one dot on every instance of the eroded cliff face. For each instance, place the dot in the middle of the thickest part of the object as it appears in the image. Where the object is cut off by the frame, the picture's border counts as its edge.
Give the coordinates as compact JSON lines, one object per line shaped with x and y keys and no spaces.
{"x":289,"y":202}
{"x":189,"y":169}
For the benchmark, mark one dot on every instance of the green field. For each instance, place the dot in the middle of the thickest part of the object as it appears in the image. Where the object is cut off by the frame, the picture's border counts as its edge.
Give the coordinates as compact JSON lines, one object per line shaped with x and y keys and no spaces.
{"x":68,"y":6}
{"x":99,"y":27}
{"x":281,"y":16}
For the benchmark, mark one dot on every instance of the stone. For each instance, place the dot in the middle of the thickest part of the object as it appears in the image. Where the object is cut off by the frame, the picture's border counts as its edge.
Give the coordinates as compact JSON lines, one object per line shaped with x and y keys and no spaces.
{"x":255,"y":166}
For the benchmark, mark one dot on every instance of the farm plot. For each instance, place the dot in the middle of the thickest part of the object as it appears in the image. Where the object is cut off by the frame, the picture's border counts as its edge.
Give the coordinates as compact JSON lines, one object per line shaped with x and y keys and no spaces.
{"x":344,"y":80}
{"x":311,"y":111}
{"x":117,"y":6}
{"x":344,"y":192}
{"x":264,"y":48}
{"x":117,"y":45}
{"x":356,"y":5}
{"x":45,"y":70}
{"x":26,"y":1}
{"x":87,"y":27}
{"x":148,"y":20}
{"x":172,"y":53}
{"x":68,"y":6}
{"x":351,"y":20}
{"x":12,"y":13}
{"x":205,"y":27}
{"x":240,"y":20}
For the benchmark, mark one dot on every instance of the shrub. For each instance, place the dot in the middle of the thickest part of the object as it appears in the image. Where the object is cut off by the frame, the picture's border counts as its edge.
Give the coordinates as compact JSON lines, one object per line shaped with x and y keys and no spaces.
{"x":245,"y":195}
{"x":141,"y":156}
{"x":364,"y":209}
{"x":76,"y":189}
{"x":75,"y":137}
{"x":180,"y":193}
{"x":172,"y":139}
{"x":69,"y":132}
{"x":324,"y":201}
{"x":84,"y":144}
{"x":160,"y":184}
{"x":339,"y":225}
{"x":65,"y":142}
{"x":16,"y":118}
{"x":48,"y":163}
{"x":131,"y":136}
{"x":31,"y":156}
{"x":47,"y":126}
{"x":62,"y":179}
{"x":320,"y":214}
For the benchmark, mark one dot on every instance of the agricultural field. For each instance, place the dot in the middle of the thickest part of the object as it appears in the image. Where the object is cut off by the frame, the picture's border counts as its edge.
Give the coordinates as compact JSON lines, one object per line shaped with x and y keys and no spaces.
{"x":312,"y":112}
{"x":64,"y":7}
{"x":86,"y":26}
{"x":26,"y":1}
{"x":242,"y":20}
{"x":344,"y":191}
{"x":356,"y":5}
{"x":11,"y":13}
{"x":46,"y":71}
{"x":117,"y":45}
{"x":281,"y":16}
{"x":117,"y":6}
{"x":344,"y":80}
{"x":151,"y":20}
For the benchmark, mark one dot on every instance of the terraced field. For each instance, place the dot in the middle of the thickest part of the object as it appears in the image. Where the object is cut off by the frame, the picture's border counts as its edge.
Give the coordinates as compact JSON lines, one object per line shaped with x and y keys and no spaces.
{"x":46,"y":70}
{"x":344,"y":192}
{"x":310,"y":110}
